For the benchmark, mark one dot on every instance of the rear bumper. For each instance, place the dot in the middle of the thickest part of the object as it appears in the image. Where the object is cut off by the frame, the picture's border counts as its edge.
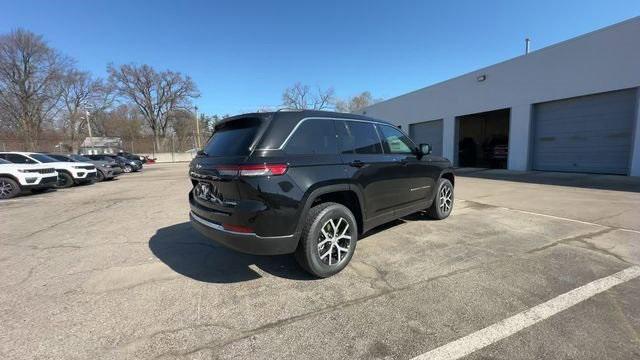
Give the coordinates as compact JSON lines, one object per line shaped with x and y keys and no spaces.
{"x":245,"y":243}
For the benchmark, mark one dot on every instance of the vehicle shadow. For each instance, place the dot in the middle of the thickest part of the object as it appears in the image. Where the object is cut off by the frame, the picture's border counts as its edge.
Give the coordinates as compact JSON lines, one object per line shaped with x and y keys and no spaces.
{"x":417,"y":216}
{"x":191,"y":254}
{"x":29,"y":193}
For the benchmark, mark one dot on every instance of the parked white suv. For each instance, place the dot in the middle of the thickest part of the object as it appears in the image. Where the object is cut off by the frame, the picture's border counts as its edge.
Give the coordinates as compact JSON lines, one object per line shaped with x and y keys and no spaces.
{"x":15,"y":178}
{"x":69,"y":173}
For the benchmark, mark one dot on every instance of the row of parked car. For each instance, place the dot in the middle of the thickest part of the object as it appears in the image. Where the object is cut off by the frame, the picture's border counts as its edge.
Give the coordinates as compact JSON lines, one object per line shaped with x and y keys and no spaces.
{"x":38,"y":172}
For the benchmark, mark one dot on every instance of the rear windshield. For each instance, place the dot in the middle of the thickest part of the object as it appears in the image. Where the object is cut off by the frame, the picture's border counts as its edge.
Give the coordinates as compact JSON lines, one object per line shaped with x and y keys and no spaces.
{"x":233,"y":138}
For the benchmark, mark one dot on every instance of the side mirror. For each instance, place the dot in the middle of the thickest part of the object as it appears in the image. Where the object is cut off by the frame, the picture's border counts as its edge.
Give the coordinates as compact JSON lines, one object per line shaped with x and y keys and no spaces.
{"x":425,"y":149}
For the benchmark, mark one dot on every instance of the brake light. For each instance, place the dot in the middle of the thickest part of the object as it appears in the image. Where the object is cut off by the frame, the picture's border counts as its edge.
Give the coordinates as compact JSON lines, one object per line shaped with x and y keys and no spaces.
{"x":252,"y":170}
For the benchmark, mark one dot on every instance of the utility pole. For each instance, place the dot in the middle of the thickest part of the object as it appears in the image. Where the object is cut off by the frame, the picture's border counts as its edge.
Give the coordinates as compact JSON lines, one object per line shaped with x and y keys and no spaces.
{"x":89,"y":127}
{"x":197,"y":128}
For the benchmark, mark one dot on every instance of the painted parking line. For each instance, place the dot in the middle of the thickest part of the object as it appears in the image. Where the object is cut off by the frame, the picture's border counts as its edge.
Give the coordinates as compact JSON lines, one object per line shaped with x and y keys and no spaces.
{"x":553,"y":217}
{"x":507,"y":327}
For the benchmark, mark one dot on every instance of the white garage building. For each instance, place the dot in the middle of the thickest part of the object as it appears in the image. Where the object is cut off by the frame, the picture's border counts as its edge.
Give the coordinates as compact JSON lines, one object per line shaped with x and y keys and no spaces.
{"x":573,"y":106}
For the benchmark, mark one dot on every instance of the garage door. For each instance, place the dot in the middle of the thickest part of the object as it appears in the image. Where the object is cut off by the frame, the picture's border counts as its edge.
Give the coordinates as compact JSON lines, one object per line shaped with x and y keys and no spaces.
{"x":429,"y":132}
{"x":589,"y":134}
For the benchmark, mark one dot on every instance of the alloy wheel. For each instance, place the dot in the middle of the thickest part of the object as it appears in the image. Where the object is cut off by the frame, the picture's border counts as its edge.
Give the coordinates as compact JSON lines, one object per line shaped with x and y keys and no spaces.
{"x":446,"y":199}
{"x":334,"y":241}
{"x":5,"y":189}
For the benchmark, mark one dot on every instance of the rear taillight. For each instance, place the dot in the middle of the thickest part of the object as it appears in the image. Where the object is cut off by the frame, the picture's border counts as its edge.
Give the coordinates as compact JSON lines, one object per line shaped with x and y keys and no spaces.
{"x":252,"y":170}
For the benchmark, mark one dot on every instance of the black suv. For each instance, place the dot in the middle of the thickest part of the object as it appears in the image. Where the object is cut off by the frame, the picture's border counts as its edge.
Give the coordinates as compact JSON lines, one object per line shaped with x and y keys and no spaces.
{"x":311,"y":182}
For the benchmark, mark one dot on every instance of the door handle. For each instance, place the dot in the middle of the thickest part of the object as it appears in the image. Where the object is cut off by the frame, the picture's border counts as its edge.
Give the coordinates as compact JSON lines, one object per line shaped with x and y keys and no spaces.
{"x":356,"y":163}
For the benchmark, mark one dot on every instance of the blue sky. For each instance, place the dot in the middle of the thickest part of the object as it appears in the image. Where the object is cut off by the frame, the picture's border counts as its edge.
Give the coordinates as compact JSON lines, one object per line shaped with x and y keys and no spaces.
{"x":242,"y":54}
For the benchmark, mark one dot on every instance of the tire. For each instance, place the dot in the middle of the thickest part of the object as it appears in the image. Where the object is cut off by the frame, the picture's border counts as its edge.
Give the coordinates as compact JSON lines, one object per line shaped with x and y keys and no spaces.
{"x":64,"y":180}
{"x":100,"y":176}
{"x":8,"y":188}
{"x":128,"y":169}
{"x":39,"y":190}
{"x":329,"y":259}
{"x":443,"y":201}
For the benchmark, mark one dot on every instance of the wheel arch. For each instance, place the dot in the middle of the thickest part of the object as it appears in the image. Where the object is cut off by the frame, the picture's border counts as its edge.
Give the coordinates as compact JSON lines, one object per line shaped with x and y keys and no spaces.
{"x":9,"y":176}
{"x":343,"y":194}
{"x":449,"y":175}
{"x":65,"y":171}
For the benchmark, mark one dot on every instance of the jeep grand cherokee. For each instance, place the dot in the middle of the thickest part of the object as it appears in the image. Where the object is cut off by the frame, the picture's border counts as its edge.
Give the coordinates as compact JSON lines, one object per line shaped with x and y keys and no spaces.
{"x":310,"y":183}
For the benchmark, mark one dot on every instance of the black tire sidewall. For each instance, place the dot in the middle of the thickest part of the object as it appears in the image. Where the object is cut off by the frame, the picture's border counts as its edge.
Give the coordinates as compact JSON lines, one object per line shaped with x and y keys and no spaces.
{"x":100,"y":176}
{"x":314,"y":263}
{"x":14,"y":185}
{"x":68,"y":180}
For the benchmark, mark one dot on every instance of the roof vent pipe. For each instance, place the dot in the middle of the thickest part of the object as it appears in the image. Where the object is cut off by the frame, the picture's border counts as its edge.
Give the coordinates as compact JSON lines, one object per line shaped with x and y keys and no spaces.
{"x":527,"y":45}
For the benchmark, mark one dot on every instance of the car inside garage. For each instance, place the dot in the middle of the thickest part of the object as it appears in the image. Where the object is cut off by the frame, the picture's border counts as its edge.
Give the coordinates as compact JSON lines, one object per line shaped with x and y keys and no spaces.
{"x":428,"y":132}
{"x":483,"y":139}
{"x":589,"y":134}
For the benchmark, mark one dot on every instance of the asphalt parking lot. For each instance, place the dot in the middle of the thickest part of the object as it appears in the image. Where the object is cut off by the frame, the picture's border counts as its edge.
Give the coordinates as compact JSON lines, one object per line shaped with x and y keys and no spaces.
{"x":114,"y":270}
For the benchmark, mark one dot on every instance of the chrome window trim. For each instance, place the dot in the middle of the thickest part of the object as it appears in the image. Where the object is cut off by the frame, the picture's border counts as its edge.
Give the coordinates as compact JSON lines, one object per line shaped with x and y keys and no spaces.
{"x":295,"y":128}
{"x":378,"y":132}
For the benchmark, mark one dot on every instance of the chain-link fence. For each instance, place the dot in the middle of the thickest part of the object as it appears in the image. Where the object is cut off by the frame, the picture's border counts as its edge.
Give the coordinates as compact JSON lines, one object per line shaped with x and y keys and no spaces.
{"x":168,"y":149}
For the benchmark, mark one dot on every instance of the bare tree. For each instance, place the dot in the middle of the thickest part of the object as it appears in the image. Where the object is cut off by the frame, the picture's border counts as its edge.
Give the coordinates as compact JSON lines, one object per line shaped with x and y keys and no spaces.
{"x":30,"y":72}
{"x":156,"y":94}
{"x":301,"y":97}
{"x":355,"y":103}
{"x":124,"y":121}
{"x":80,"y":94}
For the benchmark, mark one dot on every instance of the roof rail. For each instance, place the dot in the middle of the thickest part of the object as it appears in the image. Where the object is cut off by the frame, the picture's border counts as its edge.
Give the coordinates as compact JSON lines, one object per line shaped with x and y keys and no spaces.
{"x":288,"y":109}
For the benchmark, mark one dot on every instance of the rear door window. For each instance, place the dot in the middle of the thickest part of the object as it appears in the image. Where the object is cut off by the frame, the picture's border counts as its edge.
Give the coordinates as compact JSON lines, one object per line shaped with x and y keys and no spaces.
{"x":356,"y":137}
{"x":60,"y":158}
{"x":43,"y":158}
{"x":313,"y":137}
{"x":233,"y":138}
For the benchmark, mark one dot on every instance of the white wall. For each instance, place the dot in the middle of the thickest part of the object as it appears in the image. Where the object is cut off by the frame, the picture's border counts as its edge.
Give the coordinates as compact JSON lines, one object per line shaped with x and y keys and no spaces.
{"x":171,"y":157}
{"x":635,"y":154}
{"x":605,"y":60}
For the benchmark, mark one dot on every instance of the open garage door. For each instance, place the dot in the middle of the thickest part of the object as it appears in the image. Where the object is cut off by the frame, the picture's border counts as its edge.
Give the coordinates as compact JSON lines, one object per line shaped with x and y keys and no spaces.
{"x":429,"y":132}
{"x":483,"y":139}
{"x":590,"y":134}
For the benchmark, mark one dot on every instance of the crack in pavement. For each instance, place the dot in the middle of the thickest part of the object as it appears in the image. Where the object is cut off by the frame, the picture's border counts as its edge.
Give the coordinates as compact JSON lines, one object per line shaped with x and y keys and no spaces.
{"x":563,"y":241}
{"x":582,"y":239}
{"x":377,"y":278}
